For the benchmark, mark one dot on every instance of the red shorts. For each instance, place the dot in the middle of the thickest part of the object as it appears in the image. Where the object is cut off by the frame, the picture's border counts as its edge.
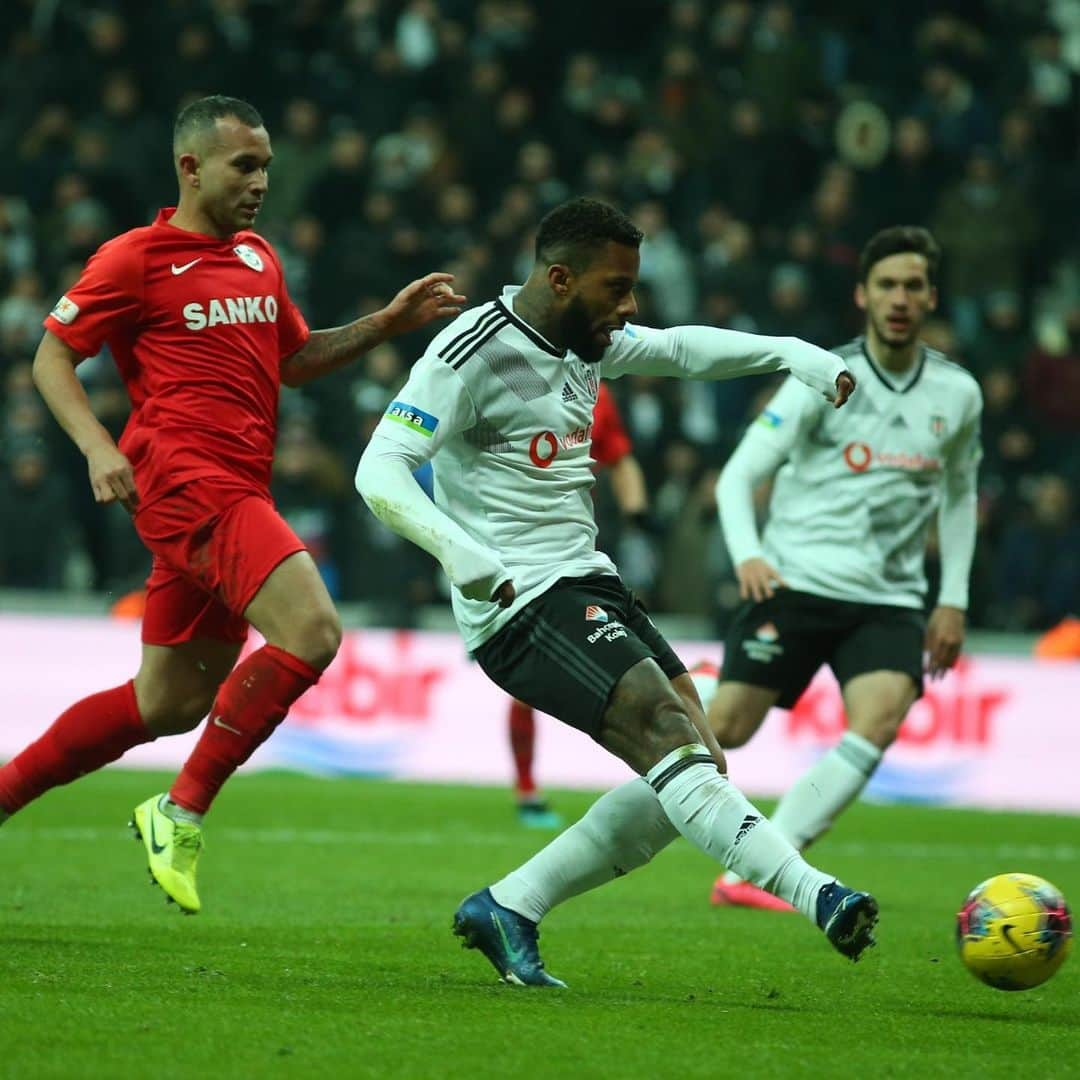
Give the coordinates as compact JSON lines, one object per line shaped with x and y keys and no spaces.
{"x":213,"y":545}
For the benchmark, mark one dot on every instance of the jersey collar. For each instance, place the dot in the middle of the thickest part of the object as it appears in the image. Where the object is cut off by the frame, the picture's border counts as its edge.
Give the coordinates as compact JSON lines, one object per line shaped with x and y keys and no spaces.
{"x":885,"y":380}
{"x":505,"y":304}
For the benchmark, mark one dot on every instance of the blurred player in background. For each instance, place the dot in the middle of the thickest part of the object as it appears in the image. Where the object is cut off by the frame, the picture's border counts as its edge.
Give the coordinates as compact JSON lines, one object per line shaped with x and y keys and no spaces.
{"x":838,"y":576}
{"x":610,"y":448}
{"x":196,"y":313}
{"x":501,"y":402}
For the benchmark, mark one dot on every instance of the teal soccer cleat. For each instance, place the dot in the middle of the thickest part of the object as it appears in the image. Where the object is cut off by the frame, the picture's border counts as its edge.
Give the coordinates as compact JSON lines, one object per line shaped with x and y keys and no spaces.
{"x":507,"y":939}
{"x":848,"y":918}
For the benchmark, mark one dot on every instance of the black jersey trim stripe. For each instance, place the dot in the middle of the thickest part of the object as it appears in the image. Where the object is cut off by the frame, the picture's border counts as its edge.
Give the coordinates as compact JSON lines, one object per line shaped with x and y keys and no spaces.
{"x":885,"y":382}
{"x":472,"y":348}
{"x":479,"y":326}
{"x":529,"y":332}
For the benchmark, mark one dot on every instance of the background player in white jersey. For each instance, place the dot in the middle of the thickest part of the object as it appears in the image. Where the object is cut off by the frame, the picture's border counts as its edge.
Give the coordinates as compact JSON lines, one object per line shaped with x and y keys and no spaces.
{"x":543,"y":611}
{"x":838,"y":576}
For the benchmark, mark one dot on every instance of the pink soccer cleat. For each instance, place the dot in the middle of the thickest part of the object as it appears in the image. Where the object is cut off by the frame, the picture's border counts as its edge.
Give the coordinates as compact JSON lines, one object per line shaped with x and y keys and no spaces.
{"x":743,"y":894}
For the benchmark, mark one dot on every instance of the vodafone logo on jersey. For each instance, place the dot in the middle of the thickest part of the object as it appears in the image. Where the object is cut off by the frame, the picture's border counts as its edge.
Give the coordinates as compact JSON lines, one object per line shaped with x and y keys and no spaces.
{"x":858,"y":457}
{"x":544,"y":447}
{"x":231,"y":310}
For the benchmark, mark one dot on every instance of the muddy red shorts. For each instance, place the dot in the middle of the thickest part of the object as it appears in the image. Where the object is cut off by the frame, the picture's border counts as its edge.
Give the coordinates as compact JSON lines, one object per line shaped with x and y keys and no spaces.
{"x":213,"y":546}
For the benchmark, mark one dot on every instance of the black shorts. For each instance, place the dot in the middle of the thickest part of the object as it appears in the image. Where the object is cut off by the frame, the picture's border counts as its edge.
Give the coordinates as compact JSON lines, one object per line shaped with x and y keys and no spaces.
{"x":780,"y":643}
{"x":564,"y":652}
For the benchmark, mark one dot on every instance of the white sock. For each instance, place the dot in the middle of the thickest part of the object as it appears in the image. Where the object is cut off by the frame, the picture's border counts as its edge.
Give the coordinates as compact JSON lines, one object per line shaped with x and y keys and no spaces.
{"x":178,"y":813}
{"x":717,"y":819}
{"x":621,"y":831}
{"x":829,"y":786}
{"x":816,"y":799}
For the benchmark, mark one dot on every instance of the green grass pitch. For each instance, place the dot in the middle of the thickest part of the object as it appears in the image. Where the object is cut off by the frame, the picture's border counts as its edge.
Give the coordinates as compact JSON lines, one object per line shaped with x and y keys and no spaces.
{"x":324,"y":949}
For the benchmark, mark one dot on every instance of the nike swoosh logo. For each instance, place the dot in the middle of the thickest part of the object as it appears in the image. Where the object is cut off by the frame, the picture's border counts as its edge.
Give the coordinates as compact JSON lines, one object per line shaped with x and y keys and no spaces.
{"x":187,"y":266}
{"x":1009,"y":938}
{"x":155,"y":847}
{"x":218,"y":722}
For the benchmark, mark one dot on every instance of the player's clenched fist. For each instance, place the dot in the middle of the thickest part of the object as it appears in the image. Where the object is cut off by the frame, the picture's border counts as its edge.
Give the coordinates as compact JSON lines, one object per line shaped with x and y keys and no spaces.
{"x":112,"y":478}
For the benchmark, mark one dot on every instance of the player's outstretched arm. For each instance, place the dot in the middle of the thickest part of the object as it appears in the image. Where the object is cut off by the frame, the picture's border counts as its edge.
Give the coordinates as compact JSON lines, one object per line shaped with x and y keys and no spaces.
{"x":111,"y":476}
{"x":419,"y":303}
{"x":705,"y":352}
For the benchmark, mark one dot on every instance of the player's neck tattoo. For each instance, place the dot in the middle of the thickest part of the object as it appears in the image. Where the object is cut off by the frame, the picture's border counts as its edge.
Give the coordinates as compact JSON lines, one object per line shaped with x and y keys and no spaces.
{"x":537,"y":313}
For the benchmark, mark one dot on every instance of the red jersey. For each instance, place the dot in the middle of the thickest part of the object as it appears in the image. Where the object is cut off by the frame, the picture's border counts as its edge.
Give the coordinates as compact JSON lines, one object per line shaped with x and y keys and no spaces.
{"x":198,"y":327}
{"x":610,"y":442}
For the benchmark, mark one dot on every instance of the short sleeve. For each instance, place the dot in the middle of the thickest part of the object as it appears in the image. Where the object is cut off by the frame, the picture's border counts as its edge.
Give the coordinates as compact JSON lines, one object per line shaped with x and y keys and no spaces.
{"x":293,"y":330}
{"x":105,"y":302}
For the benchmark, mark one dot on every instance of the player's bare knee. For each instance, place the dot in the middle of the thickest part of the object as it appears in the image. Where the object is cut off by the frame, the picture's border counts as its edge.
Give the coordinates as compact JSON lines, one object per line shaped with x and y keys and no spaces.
{"x":880,"y":728}
{"x":667,"y":726}
{"x":319,"y":638}
{"x":732,"y":724}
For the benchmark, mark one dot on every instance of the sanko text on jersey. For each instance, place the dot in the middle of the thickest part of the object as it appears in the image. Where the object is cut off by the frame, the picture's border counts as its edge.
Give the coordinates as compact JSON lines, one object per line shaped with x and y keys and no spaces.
{"x":233,"y":309}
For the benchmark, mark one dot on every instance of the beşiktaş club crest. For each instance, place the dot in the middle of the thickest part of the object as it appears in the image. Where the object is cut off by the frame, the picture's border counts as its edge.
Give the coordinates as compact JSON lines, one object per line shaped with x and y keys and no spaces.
{"x":248,"y":256}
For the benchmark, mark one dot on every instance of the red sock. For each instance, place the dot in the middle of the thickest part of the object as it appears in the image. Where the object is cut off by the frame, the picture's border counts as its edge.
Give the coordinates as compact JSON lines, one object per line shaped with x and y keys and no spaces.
{"x":251,"y":702}
{"x":522,"y":744}
{"x":90,"y":734}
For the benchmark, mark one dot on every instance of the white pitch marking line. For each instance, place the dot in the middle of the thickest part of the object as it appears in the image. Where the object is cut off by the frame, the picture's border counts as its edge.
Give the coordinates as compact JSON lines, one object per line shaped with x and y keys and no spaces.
{"x":1052,"y":852}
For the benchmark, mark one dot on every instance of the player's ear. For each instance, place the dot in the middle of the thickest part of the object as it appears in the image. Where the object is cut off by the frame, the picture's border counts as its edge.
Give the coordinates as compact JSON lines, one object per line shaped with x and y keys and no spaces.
{"x":932,"y":305}
{"x":187,"y":169}
{"x":860,"y":296}
{"x":559,"y":276}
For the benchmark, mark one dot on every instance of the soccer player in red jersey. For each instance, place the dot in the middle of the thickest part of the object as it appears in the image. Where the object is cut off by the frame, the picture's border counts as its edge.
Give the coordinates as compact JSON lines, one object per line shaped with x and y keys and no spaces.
{"x":196,"y":313}
{"x":611,"y":448}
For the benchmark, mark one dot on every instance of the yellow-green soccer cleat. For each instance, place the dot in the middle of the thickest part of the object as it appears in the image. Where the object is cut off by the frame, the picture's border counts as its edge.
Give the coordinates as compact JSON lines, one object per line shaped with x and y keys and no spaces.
{"x":173,"y":849}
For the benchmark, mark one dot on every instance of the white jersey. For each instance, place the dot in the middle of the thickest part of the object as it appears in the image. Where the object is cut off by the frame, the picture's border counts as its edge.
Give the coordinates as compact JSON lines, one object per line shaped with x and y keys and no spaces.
{"x":856,"y":488}
{"x":507,"y":419}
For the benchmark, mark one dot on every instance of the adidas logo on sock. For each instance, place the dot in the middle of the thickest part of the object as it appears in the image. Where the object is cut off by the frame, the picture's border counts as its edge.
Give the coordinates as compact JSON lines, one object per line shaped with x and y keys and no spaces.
{"x":748,"y":823}
{"x":568,"y":394}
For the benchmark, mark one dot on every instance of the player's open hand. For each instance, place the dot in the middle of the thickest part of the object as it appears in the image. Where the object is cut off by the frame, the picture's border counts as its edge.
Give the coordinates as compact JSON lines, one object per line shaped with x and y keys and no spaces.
{"x":944,"y":639}
{"x":845,"y":387}
{"x":421,"y":302}
{"x":112,"y":477}
{"x":758,"y":580}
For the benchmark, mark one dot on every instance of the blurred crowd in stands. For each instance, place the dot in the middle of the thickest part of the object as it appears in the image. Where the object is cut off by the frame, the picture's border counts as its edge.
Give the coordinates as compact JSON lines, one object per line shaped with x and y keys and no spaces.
{"x":758,"y":144}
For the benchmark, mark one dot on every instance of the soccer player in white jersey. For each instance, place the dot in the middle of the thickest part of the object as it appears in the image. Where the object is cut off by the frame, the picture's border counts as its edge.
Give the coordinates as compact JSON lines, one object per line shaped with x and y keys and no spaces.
{"x":502,"y":403}
{"x":838,"y":577}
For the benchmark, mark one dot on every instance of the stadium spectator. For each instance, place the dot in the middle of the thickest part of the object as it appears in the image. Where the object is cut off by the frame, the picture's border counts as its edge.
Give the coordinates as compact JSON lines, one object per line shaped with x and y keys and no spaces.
{"x":36,"y":527}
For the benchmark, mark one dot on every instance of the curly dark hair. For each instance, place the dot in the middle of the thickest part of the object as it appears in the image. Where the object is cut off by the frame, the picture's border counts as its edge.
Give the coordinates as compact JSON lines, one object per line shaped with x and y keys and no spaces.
{"x":898,"y":240}
{"x":205,"y":112}
{"x":574,"y":231}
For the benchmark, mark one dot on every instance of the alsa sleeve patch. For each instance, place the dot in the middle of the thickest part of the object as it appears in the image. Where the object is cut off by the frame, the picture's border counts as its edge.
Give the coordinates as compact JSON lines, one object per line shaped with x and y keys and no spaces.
{"x":411,"y":417}
{"x":65,"y":311}
{"x":770,"y":419}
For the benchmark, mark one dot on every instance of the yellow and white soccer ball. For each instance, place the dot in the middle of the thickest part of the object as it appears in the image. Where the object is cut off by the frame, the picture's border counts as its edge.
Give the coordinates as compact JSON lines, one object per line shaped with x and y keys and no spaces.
{"x":1014,"y":931}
